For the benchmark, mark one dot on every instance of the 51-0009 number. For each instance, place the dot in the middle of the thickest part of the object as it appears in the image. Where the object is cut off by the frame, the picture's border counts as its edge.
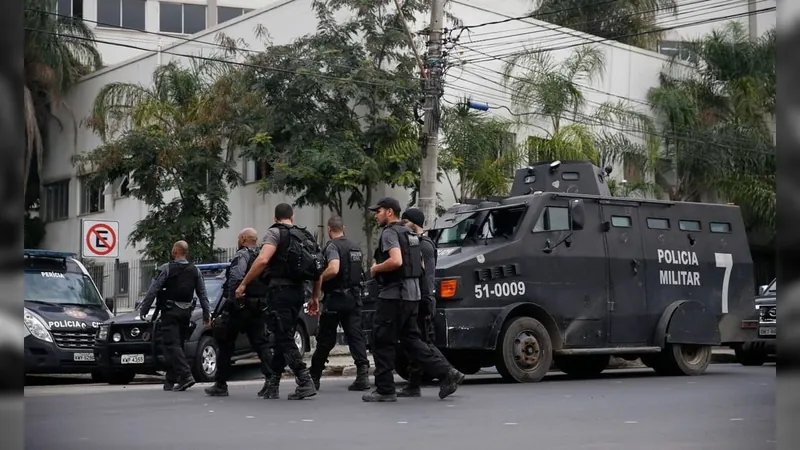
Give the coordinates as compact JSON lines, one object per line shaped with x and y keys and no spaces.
{"x":511,"y":289}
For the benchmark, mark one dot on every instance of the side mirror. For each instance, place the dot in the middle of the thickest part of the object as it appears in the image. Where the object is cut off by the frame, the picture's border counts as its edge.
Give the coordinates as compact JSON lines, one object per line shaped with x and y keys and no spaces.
{"x":576,"y":212}
{"x":762,"y":289}
{"x":110,"y":303}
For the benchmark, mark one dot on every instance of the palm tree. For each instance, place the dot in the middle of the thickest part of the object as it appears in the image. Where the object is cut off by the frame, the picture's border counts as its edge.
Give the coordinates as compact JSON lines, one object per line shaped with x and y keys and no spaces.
{"x":58,"y":51}
{"x":476,"y":149}
{"x":631,"y":22}
{"x":716,"y":118}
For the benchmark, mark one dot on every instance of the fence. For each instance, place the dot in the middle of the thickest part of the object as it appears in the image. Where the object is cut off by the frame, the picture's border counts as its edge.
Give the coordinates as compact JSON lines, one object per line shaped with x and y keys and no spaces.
{"x":129,"y":283}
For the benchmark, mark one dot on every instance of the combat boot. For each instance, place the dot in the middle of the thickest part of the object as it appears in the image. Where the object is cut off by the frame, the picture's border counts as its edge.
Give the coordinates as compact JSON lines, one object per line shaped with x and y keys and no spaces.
{"x":169,"y":385}
{"x":305,"y":386}
{"x":411,"y":390}
{"x":361,"y":382}
{"x":272,"y":385}
{"x":376,"y":396}
{"x":450,"y":383}
{"x":217,"y":390}
{"x":316,"y":379}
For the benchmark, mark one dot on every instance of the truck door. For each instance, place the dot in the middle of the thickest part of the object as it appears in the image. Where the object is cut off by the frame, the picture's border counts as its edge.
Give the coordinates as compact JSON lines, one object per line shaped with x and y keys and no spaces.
{"x":627,"y":303}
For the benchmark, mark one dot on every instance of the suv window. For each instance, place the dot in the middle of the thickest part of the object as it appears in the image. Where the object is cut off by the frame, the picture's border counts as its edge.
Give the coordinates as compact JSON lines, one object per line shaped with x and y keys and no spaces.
{"x":64,"y":288}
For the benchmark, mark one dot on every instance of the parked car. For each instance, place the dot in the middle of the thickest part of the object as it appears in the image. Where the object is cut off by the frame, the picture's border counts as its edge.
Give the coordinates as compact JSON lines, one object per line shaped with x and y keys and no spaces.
{"x":126,"y":346}
{"x":755,"y":353}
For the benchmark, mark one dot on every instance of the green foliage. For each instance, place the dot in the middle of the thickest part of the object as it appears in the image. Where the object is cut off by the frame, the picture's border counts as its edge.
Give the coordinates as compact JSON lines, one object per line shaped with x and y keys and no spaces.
{"x":58,"y":51}
{"x":175,"y":137}
{"x":715,"y":119}
{"x":631,"y":22}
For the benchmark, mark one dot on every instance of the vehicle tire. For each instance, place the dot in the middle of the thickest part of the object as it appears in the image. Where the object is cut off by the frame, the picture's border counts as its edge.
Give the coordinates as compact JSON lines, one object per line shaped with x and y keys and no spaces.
{"x":121,"y":378}
{"x":680,"y":359}
{"x":749,"y":354}
{"x":525,"y":351}
{"x":205,"y":360}
{"x":301,"y":339}
{"x":584,"y":366}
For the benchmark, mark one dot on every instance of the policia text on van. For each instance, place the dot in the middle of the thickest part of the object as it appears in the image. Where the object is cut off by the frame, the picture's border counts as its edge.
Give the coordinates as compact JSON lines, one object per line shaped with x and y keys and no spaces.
{"x":63,"y":310}
{"x":563,"y":272}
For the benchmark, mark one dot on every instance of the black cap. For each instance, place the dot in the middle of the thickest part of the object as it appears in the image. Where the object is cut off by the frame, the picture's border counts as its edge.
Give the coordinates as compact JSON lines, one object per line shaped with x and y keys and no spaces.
{"x":387,"y":202}
{"x":415,"y":216}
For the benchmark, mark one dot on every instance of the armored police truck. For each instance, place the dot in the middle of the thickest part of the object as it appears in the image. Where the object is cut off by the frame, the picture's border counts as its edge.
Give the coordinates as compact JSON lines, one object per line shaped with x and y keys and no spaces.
{"x":563,"y":272}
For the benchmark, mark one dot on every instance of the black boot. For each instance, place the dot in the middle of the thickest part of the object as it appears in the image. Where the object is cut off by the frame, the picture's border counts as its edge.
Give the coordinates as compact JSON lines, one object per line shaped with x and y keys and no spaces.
{"x":217,"y":390}
{"x":305,"y":386}
{"x":361,"y":382}
{"x":411,"y":390}
{"x":185,"y":384}
{"x":169,"y":384}
{"x":264,"y":388}
{"x":450,"y":383}
{"x":376,"y":396}
{"x":272,"y":385}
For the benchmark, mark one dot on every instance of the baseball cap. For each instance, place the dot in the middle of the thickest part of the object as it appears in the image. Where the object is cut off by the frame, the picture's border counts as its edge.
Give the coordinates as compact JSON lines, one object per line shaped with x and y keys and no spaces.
{"x":415,"y":216}
{"x":387,"y":202}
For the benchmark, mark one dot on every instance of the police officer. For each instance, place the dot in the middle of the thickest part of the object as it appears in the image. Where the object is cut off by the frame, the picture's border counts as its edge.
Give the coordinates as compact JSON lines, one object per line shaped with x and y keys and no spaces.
{"x":414,"y":219}
{"x":179,"y":280}
{"x":340,"y":282}
{"x":286,"y":297}
{"x":241,"y":315}
{"x":397,"y":268}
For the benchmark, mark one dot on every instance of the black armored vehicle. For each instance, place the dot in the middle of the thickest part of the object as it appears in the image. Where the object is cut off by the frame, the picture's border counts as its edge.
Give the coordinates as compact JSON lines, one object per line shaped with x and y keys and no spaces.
{"x":561,"y":272}
{"x":127,"y":345}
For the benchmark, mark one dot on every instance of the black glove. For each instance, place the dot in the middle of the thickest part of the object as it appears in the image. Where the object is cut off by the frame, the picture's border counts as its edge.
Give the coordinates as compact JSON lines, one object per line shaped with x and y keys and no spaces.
{"x":425,"y":308}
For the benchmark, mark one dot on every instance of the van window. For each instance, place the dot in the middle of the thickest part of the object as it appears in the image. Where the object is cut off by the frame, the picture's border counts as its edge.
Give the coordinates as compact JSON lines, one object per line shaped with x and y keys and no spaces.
{"x":657,"y":224}
{"x":63,"y":288}
{"x":690,"y":225}
{"x":570,"y":176}
{"x":553,"y":218}
{"x":719,"y":227}
{"x":501,"y":223}
{"x":621,"y":221}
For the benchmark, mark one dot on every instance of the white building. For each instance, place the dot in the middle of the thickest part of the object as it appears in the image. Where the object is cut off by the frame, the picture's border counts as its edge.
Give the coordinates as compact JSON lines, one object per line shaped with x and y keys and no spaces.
{"x":66,"y":200}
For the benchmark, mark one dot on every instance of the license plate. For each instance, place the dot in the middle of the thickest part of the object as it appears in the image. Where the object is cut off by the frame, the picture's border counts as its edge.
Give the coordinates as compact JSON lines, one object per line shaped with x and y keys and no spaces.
{"x":132,"y":359}
{"x":768,"y":331}
{"x":83,"y":357}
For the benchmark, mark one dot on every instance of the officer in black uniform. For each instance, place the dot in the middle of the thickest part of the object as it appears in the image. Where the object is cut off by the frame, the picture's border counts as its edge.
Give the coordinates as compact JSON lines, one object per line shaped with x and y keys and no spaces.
{"x":341,"y":284}
{"x":414,"y":219}
{"x":179,"y":279}
{"x":285,"y":300}
{"x":245,"y":314}
{"x":397,"y":269}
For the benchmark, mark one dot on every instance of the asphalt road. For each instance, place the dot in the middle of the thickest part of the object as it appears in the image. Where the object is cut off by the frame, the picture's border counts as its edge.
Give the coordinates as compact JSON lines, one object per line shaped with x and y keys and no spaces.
{"x":729,"y":408}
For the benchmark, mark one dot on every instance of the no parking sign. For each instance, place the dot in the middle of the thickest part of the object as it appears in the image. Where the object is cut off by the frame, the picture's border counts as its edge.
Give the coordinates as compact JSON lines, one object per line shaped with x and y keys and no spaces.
{"x":100,"y":238}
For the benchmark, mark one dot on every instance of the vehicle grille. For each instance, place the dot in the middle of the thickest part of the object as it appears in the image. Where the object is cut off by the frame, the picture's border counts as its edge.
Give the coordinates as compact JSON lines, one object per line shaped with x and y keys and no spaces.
{"x":145,"y":332}
{"x":75,"y":339}
{"x":769,"y":314}
{"x":497,"y":272}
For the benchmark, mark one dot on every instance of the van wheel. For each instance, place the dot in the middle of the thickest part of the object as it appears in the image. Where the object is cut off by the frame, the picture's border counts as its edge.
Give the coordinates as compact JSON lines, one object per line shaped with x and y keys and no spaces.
{"x":205,"y":360}
{"x":301,"y":339}
{"x":525,"y":351}
{"x":121,"y":378}
{"x":583,"y":366}
{"x":750,"y":355}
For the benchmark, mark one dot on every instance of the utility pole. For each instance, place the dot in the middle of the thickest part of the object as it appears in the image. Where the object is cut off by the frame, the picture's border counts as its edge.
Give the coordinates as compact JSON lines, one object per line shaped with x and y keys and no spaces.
{"x":433,"y":92}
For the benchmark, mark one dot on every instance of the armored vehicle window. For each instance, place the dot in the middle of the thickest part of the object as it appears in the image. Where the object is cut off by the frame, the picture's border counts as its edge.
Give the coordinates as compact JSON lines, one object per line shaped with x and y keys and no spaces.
{"x":720,"y":227}
{"x":501,"y":223}
{"x":456,"y":234}
{"x":570,"y":176}
{"x":657,"y":224}
{"x":553,"y":218}
{"x":690,"y":225}
{"x":621,"y":221}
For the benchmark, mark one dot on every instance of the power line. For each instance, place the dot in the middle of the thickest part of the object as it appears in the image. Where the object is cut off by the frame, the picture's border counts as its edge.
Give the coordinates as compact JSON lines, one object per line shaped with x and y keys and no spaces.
{"x":572,"y":29}
{"x":528,"y":16}
{"x":589,"y":41}
{"x":236,"y":63}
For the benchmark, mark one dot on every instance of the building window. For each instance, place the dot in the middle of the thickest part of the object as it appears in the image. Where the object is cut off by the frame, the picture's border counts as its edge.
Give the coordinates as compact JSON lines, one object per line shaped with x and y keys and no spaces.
{"x":182,"y":18}
{"x":226,"y":13}
{"x":256,"y":170}
{"x":679,"y":50}
{"x":72,"y":8}
{"x":128,"y":14}
{"x":122,"y":187}
{"x":57,"y":200}
{"x":93,"y":200}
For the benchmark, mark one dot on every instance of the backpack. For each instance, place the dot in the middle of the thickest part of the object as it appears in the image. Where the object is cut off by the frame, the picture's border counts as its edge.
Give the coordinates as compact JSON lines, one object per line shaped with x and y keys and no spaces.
{"x":302,"y":255}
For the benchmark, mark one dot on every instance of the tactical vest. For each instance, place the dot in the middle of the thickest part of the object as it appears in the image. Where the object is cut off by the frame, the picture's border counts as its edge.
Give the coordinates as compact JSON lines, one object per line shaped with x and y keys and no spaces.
{"x":256,"y":288}
{"x":350,"y":266}
{"x":410,"y":250}
{"x":181,"y":280}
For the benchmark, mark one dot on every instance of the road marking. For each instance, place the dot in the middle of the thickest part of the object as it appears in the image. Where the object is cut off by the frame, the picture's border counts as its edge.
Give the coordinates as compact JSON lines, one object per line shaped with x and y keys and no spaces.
{"x":631,"y":421}
{"x":691,"y":382}
{"x":511,"y":423}
{"x":307,"y":420}
{"x":402,"y":422}
{"x":567,"y":396}
{"x":737,"y":419}
{"x":251,"y":417}
{"x":210,"y":410}
{"x":451,"y":406}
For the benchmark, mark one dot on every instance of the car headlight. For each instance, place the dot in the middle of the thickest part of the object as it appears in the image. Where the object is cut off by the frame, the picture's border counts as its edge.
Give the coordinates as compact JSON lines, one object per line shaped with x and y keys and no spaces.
{"x":36,"y":326}
{"x":116,"y":337}
{"x":102,"y":333}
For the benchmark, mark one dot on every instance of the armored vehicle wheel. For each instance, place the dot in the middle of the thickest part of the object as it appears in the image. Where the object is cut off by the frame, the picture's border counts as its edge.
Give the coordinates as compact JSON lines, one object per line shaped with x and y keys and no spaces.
{"x":205,"y":360}
{"x":524,"y":351}
{"x":582,"y":366}
{"x":749,"y":354}
{"x":680,"y":359}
